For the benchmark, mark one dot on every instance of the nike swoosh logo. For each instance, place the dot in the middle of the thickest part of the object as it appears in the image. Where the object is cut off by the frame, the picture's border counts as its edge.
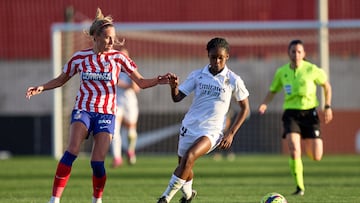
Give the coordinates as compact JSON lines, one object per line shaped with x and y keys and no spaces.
{"x":58,"y":177}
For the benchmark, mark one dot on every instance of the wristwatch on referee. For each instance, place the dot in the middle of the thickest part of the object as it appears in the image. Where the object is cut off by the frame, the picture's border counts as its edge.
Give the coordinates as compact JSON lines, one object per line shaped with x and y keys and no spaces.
{"x":327,"y":106}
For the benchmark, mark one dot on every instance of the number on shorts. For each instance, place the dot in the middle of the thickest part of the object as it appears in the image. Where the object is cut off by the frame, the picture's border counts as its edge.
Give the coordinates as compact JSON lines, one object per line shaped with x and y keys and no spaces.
{"x":183,"y":131}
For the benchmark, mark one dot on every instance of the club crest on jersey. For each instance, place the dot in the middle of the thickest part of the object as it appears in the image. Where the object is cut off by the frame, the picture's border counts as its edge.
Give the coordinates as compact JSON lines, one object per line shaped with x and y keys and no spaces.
{"x":77,"y":115}
{"x":104,"y":76}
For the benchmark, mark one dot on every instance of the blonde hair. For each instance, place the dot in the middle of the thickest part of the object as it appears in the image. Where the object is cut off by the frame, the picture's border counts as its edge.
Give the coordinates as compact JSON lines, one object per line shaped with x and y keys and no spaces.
{"x":100,"y":22}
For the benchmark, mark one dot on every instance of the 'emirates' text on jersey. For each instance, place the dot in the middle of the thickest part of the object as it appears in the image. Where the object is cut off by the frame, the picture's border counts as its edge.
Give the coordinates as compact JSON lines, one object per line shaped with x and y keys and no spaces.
{"x":99,"y":74}
{"x":212,"y":97}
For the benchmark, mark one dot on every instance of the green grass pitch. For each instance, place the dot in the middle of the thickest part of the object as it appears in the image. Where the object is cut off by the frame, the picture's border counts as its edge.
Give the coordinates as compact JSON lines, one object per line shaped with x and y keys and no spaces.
{"x":245,"y":180}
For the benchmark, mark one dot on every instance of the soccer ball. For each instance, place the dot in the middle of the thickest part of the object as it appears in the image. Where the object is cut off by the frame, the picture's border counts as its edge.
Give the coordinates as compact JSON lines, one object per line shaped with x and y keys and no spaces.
{"x":273,"y":197}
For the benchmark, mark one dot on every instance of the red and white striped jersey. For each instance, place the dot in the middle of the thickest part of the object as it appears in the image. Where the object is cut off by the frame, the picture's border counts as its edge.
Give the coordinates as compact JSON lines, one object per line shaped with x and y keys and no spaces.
{"x":99,"y":74}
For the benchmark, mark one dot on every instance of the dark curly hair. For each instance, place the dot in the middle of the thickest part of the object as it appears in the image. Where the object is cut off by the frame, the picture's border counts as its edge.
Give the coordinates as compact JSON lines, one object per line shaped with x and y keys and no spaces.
{"x":218,"y":43}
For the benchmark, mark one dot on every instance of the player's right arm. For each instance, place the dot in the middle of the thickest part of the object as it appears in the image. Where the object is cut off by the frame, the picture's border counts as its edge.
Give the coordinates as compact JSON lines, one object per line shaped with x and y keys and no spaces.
{"x":268,"y":98}
{"x":276,"y":86}
{"x":54,"y":83}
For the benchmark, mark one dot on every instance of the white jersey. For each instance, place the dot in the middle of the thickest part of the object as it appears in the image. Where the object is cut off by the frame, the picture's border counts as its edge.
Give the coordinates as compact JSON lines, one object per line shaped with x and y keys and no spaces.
{"x":212,"y":97}
{"x":127,"y":102}
{"x":98,"y":78}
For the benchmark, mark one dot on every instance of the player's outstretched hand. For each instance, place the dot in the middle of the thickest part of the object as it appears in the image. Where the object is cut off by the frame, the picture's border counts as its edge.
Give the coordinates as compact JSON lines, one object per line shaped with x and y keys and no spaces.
{"x":164,"y":79}
{"x":31,"y":91}
{"x":174,"y":81}
{"x":262,"y":108}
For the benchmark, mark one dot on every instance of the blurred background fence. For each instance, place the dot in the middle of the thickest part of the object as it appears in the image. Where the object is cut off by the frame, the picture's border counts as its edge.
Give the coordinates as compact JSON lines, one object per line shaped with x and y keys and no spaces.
{"x":27,"y":58}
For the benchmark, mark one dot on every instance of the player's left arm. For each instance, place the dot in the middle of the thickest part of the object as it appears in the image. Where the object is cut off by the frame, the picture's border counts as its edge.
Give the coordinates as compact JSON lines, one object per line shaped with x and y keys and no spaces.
{"x":239,"y":120}
{"x":327,"y":108}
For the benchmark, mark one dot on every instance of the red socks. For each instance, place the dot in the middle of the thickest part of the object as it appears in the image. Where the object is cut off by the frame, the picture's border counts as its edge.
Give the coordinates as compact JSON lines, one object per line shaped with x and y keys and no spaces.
{"x":61,"y":178}
{"x":98,"y":186}
{"x":63,"y":171}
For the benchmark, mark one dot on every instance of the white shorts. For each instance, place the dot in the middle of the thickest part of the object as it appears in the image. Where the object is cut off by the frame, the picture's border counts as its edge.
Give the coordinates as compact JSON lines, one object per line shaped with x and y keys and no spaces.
{"x":127,"y":107}
{"x":186,"y":140}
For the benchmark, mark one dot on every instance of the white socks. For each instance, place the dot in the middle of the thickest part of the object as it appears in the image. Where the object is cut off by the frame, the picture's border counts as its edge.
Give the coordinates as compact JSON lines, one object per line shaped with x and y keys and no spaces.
{"x":96,"y":200}
{"x":175,"y":184}
{"x":54,"y":199}
{"x":187,"y":189}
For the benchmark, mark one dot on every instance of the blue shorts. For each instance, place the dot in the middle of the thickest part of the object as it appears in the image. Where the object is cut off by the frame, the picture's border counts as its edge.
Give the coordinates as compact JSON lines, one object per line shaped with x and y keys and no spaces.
{"x":94,"y":122}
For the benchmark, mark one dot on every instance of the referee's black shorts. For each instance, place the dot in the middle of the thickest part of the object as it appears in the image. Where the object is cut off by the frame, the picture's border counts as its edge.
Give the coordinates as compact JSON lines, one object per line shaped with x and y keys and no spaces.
{"x":304,"y":122}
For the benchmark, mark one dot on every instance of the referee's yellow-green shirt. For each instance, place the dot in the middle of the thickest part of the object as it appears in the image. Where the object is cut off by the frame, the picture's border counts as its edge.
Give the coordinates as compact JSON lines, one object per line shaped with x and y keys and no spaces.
{"x":299,"y":85}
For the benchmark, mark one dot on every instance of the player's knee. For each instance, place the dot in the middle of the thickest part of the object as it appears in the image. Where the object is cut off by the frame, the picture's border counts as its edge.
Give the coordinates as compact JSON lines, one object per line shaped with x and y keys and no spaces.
{"x":132,"y":134}
{"x":68,"y":158}
{"x":317,"y":158}
{"x":295,"y":153}
{"x":314,"y":157}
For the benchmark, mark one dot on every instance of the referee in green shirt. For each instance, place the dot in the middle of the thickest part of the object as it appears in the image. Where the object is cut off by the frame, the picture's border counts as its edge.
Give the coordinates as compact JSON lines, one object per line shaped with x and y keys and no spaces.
{"x":299,"y":79}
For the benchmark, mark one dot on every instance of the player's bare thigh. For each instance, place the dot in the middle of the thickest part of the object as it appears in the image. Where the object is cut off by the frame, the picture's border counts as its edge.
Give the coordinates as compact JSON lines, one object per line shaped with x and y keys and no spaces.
{"x":78,"y":132}
{"x":200,"y":147}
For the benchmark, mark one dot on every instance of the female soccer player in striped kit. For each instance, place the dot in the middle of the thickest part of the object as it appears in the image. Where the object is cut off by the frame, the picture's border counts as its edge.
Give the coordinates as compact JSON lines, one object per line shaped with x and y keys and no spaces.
{"x":95,"y":104}
{"x":202,"y":127}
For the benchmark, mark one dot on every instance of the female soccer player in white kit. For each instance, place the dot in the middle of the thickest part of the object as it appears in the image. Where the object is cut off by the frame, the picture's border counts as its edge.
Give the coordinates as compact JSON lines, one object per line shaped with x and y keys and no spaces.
{"x":202,"y":127}
{"x":126,"y":118}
